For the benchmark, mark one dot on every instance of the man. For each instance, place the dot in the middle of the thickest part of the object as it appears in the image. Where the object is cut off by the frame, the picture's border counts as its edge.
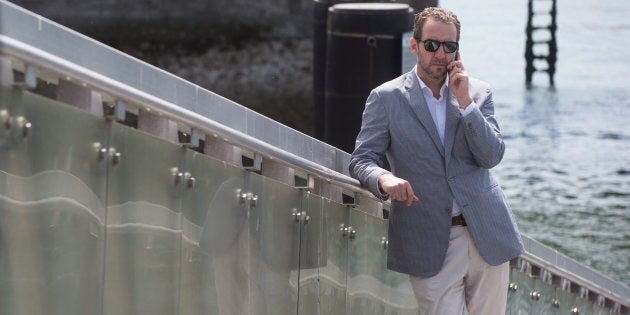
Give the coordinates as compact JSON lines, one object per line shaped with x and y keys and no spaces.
{"x":450,"y":227}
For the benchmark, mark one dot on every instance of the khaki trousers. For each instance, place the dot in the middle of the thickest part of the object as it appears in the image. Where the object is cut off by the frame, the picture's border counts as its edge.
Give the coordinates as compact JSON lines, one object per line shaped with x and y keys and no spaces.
{"x":466,"y":284}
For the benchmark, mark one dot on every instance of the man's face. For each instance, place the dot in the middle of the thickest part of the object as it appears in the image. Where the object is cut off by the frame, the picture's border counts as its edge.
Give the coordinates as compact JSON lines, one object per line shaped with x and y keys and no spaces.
{"x":432,"y":65}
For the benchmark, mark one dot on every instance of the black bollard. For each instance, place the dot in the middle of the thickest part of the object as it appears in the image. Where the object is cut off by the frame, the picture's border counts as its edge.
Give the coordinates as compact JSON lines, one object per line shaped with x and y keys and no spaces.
{"x":364,"y":49}
{"x":419,"y":5}
{"x":320,"y":19}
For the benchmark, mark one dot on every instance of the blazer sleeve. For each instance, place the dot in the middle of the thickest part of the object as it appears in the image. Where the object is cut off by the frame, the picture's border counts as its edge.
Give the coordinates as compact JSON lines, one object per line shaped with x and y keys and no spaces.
{"x":483,"y":134}
{"x":371,"y":144}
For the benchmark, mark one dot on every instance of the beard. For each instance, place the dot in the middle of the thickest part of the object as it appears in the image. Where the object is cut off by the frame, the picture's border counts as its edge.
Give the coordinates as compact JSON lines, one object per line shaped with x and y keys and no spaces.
{"x":435,"y":71}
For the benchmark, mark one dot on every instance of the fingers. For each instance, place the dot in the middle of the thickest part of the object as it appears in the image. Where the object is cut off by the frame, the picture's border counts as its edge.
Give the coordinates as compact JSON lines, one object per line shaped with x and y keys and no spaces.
{"x":458,"y":85}
{"x":457,"y":60}
{"x":454,"y":72}
{"x":400,"y":190}
{"x":456,"y":65}
{"x":455,"y":76}
{"x":457,"y":73}
{"x":397,"y":188}
{"x":411,"y":197}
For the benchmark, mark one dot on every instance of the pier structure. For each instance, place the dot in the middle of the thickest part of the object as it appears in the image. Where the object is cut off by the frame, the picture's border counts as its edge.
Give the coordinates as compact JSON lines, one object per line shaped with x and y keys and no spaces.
{"x":127,"y":190}
{"x":541,"y":39}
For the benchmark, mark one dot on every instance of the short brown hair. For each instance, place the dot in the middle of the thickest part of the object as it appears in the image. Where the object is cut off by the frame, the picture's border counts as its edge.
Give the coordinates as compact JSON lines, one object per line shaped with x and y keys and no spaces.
{"x":436,"y":13}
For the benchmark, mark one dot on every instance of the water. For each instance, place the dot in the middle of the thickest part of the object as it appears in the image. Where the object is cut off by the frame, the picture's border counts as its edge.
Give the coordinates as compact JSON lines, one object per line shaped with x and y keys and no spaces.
{"x":566,"y":171}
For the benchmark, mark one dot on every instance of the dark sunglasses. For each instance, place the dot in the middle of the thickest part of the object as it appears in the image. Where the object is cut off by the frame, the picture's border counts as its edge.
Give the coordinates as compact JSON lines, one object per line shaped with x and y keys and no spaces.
{"x":432,"y":45}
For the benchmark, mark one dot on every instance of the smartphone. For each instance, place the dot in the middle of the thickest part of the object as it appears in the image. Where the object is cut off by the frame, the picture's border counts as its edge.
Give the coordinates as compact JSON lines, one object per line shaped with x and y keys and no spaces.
{"x":453,"y":59}
{"x":455,"y":55}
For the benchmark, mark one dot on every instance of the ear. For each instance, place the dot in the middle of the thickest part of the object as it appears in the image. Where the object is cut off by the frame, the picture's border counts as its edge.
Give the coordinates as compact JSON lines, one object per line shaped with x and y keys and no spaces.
{"x":413,"y":46}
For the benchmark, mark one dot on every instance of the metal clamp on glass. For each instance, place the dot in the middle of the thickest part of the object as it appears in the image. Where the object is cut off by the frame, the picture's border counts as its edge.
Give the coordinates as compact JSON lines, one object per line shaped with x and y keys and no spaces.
{"x":253,"y":201}
{"x":190,"y":181}
{"x":344,"y":230}
{"x":512,"y":287}
{"x":116,"y":158}
{"x":6,"y":119}
{"x":353,"y":233}
{"x":179,"y":178}
{"x":300,"y":216}
{"x":384,"y":242}
{"x":534,"y":295}
{"x":101,"y":154}
{"x":242,"y":198}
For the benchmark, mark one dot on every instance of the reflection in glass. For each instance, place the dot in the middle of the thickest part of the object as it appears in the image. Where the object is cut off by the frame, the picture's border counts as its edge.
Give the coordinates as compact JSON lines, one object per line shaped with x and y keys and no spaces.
{"x":333,"y":270}
{"x":544,"y":304}
{"x":372,"y":288}
{"x":142,"y":265}
{"x":311,"y":254}
{"x":52,"y":212}
{"x":521,"y":284}
{"x":217,"y":219}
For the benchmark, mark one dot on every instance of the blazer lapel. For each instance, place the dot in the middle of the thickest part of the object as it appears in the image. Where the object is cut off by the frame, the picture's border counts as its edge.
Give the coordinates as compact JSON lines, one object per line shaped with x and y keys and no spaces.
{"x":420,"y":108}
{"x":452,"y":123}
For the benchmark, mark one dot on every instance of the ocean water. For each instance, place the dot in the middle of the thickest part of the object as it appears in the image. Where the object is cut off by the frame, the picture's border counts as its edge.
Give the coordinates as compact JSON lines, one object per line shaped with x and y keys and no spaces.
{"x":566,"y":171}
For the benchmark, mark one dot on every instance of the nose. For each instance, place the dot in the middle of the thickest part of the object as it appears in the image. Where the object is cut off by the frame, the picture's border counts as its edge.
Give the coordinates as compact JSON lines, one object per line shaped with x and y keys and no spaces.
{"x":440,"y":53}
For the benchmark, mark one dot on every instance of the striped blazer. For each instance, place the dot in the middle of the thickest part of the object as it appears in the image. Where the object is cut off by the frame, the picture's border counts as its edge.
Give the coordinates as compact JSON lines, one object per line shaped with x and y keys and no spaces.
{"x":397,"y":124}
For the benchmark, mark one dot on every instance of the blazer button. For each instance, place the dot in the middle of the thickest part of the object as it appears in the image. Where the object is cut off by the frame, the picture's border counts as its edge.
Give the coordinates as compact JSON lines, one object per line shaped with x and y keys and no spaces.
{"x":448,"y":210}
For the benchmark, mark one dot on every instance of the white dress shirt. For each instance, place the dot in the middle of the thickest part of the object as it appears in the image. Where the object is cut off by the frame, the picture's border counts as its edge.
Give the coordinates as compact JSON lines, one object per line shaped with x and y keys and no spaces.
{"x":437,"y":107}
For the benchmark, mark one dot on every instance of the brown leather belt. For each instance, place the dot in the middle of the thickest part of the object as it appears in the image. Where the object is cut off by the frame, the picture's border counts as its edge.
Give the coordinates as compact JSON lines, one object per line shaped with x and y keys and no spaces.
{"x":458,"y":220}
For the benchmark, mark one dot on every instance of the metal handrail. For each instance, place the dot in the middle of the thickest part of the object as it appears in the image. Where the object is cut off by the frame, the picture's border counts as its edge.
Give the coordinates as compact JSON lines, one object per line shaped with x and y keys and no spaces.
{"x":37,"y":57}
{"x":574,"y":278}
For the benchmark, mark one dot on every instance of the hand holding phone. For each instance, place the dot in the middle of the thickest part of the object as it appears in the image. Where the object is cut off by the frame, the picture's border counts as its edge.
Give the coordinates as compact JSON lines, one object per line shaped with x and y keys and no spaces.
{"x":458,"y":81}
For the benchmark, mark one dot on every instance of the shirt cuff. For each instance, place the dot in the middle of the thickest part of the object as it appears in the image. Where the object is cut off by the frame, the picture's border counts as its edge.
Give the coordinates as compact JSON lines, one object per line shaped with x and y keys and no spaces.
{"x":378,"y":192}
{"x":468,"y":109}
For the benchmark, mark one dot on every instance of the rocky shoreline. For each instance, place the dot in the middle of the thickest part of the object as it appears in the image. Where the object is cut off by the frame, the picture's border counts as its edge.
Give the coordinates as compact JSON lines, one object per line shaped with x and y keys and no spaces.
{"x":256,"y":53}
{"x":272,"y":77}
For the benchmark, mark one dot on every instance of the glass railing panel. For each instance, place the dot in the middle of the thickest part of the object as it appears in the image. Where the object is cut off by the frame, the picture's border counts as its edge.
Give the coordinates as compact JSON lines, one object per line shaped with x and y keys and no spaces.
{"x":365,"y":266}
{"x":214,"y":240}
{"x":372,"y":289}
{"x":143,"y":225}
{"x":521,"y":285}
{"x":397,"y":286}
{"x":310,"y":252}
{"x":52,"y":210}
{"x":274,"y":247}
{"x":600,"y":310}
{"x":572,"y":303}
{"x":566,"y":301}
{"x":543,"y":297}
{"x":582,"y":306}
{"x":401,"y":298}
{"x":6,"y":96}
{"x":334,"y":259}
